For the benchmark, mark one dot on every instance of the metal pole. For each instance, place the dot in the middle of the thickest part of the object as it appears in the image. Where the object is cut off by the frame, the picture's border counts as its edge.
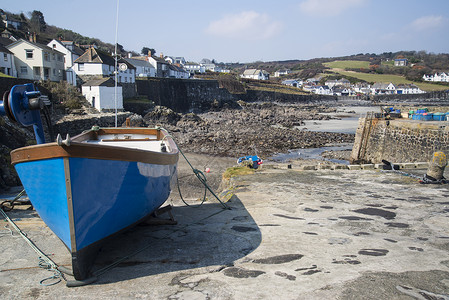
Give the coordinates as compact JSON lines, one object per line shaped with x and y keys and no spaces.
{"x":116,"y":69}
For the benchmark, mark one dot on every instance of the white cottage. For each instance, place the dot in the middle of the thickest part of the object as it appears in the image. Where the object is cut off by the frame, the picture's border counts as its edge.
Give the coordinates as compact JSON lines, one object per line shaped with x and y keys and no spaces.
{"x":100,"y":93}
{"x":143,"y":67}
{"x":98,"y":63}
{"x":71,"y":53}
{"x":255,"y":74}
{"x":35,"y":61}
{"x":7,"y":66}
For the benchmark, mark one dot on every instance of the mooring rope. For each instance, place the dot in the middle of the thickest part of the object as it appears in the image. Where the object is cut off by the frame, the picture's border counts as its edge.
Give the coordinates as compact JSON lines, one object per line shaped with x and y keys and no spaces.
{"x":199,"y":174}
{"x":44,"y":261}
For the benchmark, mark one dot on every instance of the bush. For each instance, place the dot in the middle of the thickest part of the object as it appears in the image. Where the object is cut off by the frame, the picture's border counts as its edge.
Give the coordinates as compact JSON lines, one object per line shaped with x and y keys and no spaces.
{"x":64,"y":94}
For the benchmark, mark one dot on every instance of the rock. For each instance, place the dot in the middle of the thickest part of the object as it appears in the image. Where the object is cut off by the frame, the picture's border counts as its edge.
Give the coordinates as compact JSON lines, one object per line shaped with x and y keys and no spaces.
{"x":161,"y":115}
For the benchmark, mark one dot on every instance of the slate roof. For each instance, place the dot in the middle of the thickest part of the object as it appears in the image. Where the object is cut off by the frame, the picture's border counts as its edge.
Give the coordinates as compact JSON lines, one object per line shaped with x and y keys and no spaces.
{"x":160,"y":60}
{"x":41,"y":46}
{"x":139,"y":62}
{"x":77,"y":50}
{"x":248,"y":72}
{"x":106,"y":81}
{"x":4,"y":50}
{"x":93,"y":55}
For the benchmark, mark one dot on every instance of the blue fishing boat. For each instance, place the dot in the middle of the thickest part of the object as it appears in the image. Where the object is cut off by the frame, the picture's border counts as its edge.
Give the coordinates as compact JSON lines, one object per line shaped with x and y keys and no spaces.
{"x":94,"y":185}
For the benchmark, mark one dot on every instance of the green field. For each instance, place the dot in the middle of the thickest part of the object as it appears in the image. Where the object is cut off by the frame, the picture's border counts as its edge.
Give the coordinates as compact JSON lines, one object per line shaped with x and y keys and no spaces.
{"x":339,"y":66}
{"x":395,"y":79}
{"x":347,"y":64}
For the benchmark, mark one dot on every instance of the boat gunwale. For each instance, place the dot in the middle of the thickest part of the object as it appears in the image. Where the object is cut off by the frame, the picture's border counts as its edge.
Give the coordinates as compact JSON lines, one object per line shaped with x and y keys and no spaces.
{"x":78,"y":148}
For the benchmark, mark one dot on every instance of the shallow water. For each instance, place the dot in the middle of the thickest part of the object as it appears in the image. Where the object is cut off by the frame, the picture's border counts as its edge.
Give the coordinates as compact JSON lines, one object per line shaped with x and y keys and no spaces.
{"x":312,"y":153}
{"x":348,"y":123}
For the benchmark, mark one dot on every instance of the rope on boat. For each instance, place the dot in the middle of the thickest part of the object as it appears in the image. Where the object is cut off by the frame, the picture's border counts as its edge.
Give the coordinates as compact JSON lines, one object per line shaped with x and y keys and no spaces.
{"x":199,"y":174}
{"x":8,"y":205}
{"x":44,"y":261}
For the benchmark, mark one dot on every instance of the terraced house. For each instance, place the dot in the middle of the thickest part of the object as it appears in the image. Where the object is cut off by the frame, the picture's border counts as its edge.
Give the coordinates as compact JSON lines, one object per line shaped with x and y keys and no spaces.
{"x":36,"y":61}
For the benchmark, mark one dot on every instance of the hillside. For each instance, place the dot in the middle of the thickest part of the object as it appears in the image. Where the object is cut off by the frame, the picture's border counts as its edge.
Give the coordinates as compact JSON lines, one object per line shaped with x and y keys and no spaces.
{"x":35,"y":24}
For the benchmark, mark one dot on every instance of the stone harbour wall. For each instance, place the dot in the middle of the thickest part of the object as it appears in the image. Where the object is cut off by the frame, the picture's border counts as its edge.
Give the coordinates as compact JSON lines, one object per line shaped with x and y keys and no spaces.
{"x":399,"y":140}
{"x":183,"y":95}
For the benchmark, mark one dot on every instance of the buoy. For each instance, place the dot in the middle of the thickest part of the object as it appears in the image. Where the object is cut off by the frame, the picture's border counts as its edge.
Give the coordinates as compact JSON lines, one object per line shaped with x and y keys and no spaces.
{"x":207,"y":170}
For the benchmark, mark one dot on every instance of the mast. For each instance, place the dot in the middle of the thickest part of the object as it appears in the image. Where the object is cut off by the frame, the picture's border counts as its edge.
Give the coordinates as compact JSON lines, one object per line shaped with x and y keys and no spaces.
{"x":116,"y":69}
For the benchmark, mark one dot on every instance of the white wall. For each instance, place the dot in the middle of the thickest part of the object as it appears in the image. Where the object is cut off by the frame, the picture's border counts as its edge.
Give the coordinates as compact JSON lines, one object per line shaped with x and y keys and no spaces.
{"x":104,"y":96}
{"x":55,"y":62}
{"x":7,"y":63}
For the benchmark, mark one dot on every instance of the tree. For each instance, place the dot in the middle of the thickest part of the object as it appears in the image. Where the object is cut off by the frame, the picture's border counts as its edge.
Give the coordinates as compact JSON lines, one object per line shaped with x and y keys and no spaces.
{"x":145,"y":51}
{"x":37,"y":21}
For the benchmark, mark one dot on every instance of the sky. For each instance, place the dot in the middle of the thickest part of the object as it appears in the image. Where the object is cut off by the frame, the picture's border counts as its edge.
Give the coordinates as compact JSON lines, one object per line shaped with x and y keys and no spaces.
{"x":247,"y":31}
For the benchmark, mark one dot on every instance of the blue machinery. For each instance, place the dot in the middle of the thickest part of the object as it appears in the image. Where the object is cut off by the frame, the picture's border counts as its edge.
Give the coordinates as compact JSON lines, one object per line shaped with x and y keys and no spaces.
{"x":22,"y":105}
{"x":253,"y":160}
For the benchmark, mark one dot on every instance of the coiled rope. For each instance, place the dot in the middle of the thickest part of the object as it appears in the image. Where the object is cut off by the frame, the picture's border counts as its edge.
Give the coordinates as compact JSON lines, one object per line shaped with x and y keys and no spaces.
{"x":199,"y":174}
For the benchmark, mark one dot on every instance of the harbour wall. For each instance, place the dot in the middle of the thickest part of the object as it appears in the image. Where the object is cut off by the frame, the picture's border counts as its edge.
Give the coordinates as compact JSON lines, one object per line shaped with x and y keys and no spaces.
{"x":189,"y":95}
{"x":399,"y":140}
{"x":184,"y":95}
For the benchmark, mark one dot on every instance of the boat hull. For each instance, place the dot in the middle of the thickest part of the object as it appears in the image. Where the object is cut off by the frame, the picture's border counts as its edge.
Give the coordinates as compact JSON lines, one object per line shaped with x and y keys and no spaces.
{"x":85,"y":200}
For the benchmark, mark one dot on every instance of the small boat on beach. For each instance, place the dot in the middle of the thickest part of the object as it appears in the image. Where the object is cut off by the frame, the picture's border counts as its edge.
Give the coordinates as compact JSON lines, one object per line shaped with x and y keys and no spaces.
{"x":96,"y":184}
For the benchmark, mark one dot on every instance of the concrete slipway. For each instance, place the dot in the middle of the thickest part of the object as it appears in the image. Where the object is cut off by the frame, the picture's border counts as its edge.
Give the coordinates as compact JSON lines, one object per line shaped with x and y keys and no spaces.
{"x":326,"y":234}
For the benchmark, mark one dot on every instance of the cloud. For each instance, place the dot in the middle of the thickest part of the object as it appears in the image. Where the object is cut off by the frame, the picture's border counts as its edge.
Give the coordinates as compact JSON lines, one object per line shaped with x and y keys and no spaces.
{"x":328,"y":8}
{"x":247,"y":25}
{"x":427,"y":22}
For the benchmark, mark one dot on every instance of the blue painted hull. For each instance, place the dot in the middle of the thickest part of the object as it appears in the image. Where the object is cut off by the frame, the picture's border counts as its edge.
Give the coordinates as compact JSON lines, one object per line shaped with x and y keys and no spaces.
{"x":87,"y":200}
{"x":107,"y":196}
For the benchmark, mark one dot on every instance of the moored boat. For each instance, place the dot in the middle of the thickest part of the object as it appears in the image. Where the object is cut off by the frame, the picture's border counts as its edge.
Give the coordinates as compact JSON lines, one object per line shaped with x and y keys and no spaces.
{"x":94,"y":185}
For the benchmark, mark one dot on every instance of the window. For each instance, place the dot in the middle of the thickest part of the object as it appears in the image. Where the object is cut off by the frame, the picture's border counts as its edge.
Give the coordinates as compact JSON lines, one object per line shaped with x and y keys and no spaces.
{"x":29,"y":54}
{"x":80,"y":67}
{"x":5,"y":57}
{"x":53,"y":56}
{"x":46,"y":56}
{"x":54,"y":72}
{"x":37,"y":71}
{"x":23,"y":70}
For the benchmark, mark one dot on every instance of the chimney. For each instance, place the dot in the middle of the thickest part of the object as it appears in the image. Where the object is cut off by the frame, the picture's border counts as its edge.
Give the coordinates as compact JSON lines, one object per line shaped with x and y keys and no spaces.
{"x":90,"y":53}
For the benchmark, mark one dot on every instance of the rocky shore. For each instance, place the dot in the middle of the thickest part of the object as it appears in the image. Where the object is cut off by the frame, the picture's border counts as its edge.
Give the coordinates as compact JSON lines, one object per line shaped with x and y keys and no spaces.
{"x":262,"y":128}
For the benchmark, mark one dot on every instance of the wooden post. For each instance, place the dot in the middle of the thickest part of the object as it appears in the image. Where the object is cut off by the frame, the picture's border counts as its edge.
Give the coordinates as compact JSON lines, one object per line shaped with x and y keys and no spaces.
{"x":437,"y":165}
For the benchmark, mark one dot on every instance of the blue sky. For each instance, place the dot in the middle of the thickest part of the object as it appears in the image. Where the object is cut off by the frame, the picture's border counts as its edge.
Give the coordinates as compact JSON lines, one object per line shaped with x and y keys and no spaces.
{"x":248,"y":31}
